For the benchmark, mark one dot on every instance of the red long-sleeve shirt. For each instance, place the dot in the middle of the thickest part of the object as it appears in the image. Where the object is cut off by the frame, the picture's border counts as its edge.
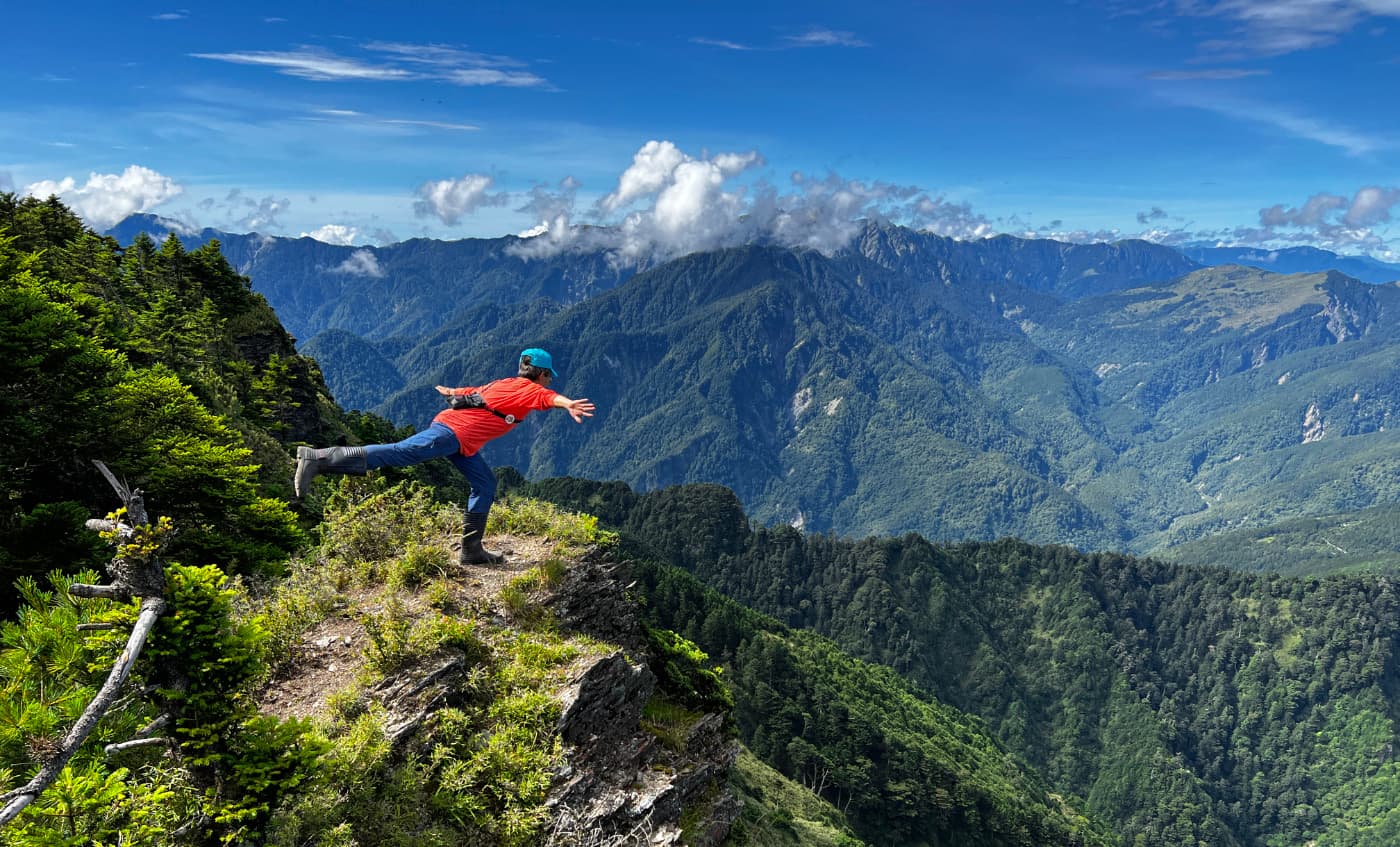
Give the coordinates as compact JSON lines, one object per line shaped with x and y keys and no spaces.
{"x":516,"y":396}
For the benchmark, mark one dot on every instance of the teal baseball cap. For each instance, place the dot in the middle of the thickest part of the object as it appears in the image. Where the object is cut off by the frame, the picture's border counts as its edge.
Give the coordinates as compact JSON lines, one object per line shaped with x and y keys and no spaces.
{"x":540,"y":359}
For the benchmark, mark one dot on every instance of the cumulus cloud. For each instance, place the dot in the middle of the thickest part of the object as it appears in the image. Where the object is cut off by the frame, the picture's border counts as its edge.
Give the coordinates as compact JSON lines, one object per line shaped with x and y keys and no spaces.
{"x":338,"y":234}
{"x":106,"y":199}
{"x":360,"y":263}
{"x":671,"y":203}
{"x":554,"y":209}
{"x":1326,"y":220}
{"x":1371,"y":206}
{"x":449,"y":199}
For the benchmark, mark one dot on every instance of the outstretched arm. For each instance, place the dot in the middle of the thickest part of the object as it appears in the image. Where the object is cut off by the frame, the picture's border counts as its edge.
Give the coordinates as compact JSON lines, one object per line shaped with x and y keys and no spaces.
{"x":577,"y":409}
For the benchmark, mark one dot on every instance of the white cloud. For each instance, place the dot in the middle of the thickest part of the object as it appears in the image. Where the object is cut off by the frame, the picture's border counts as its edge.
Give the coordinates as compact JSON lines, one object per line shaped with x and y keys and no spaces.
{"x":257,"y":214}
{"x":313,"y":64}
{"x":1208,"y":73}
{"x":338,"y":234}
{"x":360,"y":263}
{"x":720,"y":42}
{"x":817,"y":37}
{"x":673,"y":203}
{"x":813,"y":37}
{"x":7,"y":182}
{"x":1330,"y":221}
{"x":180,"y":15}
{"x":392,"y":62}
{"x":1312,"y":213}
{"x":1371,"y":206}
{"x":651,"y":168}
{"x":449,"y":199}
{"x":1279,"y":118}
{"x":1278,"y":27}
{"x":106,"y":199}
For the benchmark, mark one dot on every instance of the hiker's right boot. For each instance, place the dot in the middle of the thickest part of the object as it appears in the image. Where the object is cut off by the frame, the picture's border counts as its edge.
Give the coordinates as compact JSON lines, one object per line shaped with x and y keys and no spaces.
{"x":474,"y":530}
{"x":312,"y":462}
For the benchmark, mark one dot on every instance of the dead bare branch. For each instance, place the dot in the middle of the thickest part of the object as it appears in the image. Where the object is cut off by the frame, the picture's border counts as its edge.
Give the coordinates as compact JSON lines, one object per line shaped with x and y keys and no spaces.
{"x":151,"y":609}
{"x":108,"y":592}
{"x":140,"y":576}
{"x":135,"y":744}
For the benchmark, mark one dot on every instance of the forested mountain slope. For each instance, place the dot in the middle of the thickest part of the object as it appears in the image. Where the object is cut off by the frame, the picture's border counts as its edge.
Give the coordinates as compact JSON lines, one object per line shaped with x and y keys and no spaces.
{"x":866,"y":401}
{"x":1187,"y":705}
{"x":1109,"y":396}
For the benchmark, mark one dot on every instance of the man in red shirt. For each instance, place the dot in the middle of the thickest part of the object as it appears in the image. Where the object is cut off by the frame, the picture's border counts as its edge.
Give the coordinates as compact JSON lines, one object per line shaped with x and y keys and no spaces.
{"x":458,"y":434}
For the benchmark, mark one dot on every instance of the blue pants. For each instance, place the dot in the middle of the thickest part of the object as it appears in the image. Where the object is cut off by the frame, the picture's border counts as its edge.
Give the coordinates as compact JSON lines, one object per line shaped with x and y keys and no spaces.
{"x":433,"y":442}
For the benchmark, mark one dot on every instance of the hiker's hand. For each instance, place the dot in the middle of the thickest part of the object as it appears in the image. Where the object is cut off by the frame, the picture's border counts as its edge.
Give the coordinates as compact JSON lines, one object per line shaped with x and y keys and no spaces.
{"x":443,"y":390}
{"x":580,"y":409}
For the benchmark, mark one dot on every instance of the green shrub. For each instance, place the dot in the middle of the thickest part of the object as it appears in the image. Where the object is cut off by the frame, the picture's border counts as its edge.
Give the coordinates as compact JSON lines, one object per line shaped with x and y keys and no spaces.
{"x":684,"y":673}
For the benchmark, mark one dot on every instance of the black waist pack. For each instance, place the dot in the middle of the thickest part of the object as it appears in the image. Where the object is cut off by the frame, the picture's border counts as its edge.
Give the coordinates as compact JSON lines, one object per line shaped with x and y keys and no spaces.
{"x":476,"y":401}
{"x":467,"y":401}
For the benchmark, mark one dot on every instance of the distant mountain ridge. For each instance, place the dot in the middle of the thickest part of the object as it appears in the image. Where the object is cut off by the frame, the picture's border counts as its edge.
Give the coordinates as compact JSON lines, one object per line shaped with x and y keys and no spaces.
{"x":1104,"y":395}
{"x":1292,"y":260}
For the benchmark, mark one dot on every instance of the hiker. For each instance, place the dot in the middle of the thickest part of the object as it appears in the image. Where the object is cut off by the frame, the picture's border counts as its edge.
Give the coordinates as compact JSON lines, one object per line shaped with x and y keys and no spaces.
{"x":476,"y":416}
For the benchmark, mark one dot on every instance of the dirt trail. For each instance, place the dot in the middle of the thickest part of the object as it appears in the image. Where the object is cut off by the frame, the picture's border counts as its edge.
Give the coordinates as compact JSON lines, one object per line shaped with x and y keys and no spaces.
{"x":332,"y":652}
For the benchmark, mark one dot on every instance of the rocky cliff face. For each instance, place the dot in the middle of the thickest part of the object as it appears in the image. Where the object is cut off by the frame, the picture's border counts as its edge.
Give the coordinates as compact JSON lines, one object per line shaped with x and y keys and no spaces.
{"x":621,"y":784}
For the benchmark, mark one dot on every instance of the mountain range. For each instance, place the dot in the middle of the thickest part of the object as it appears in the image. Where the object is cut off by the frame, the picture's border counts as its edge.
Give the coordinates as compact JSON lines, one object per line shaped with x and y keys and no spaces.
{"x":1110,"y":396}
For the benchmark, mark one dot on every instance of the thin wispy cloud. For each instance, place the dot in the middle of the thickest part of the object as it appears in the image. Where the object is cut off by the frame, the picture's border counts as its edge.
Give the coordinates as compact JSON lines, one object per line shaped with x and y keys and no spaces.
{"x":179,"y":15}
{"x":1208,"y":74}
{"x":1332,"y":134}
{"x":824,"y":38}
{"x":1279,"y":27}
{"x":719,"y":42}
{"x":431,"y":124}
{"x":314,"y":65}
{"x":392,"y":62}
{"x":813,"y":37}
{"x":442,"y":55}
{"x":360,"y":117}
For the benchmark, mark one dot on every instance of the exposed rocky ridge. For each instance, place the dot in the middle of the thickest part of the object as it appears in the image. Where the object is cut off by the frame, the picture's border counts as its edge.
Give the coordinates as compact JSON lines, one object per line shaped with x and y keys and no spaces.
{"x":617,"y":783}
{"x":620,"y":784}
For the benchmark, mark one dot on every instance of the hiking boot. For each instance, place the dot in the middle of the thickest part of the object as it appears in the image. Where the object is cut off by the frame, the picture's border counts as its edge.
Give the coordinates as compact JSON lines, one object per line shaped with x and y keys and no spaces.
{"x":472,"y":551}
{"x":312,"y":462}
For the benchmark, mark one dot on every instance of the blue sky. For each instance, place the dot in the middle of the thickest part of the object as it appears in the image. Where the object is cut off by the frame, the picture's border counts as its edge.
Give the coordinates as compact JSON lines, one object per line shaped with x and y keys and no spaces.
{"x":682,"y":126}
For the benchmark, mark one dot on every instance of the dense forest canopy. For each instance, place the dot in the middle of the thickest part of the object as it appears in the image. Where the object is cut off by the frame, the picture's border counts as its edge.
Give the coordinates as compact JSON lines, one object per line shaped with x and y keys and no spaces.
{"x":1186,"y":705}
